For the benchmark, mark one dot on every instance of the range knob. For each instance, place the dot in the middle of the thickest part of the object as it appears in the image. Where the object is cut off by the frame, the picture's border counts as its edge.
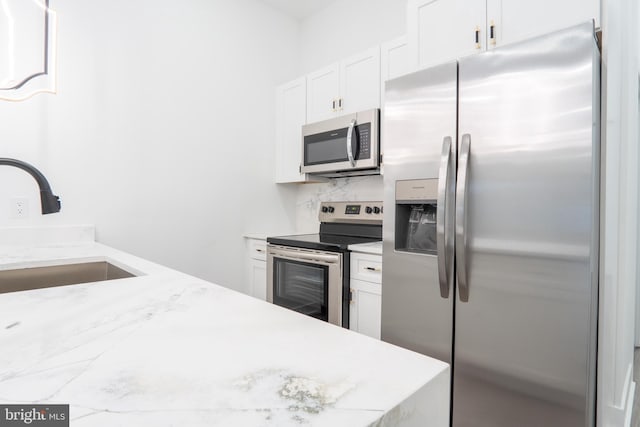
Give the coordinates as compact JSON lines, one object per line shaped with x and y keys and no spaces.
{"x":377,"y":210}
{"x":325,"y":209}
{"x":369,"y":209}
{"x":331,"y":209}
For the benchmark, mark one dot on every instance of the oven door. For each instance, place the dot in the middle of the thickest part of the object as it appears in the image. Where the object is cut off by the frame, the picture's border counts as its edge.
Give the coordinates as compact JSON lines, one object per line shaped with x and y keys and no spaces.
{"x":344,"y":143}
{"x":307,"y":281}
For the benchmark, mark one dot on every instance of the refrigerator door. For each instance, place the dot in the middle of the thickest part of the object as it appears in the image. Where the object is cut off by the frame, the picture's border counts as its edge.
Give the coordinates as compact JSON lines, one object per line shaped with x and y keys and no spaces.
{"x":525,"y":326}
{"x":419,"y":128}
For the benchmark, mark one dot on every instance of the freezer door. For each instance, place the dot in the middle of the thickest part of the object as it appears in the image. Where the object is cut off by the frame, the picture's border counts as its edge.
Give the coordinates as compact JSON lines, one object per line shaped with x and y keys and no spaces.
{"x":419,"y":137}
{"x":525,"y":318}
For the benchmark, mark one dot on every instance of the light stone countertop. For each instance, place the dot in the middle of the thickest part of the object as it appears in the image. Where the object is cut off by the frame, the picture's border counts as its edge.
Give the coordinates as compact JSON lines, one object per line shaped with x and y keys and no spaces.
{"x":166,"y":349}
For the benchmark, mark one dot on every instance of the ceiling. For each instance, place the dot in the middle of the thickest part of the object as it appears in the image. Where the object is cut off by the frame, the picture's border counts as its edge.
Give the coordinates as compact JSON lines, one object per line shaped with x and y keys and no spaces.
{"x":299,"y":9}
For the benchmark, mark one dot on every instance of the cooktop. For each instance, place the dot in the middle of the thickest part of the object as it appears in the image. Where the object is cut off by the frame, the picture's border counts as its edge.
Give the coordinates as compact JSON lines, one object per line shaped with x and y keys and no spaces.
{"x":341,"y":224}
{"x":322,"y":242}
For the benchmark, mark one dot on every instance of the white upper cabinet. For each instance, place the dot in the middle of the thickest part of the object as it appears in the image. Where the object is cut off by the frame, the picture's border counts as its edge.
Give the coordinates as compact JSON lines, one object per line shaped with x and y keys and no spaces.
{"x":518,"y":20}
{"x":346,"y":87}
{"x":360,"y":82}
{"x":291,"y":100}
{"x":443,"y":30}
{"x":323,"y":87}
{"x":394,"y":62}
{"x":394,"y":59}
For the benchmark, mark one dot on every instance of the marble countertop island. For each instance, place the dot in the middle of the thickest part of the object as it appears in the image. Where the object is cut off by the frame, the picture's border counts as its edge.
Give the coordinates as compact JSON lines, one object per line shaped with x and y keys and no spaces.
{"x":165,"y":348}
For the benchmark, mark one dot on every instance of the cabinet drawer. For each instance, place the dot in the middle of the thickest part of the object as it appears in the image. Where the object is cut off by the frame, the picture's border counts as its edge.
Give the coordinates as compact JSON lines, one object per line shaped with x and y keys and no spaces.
{"x":366,"y":267}
{"x":258,"y":249}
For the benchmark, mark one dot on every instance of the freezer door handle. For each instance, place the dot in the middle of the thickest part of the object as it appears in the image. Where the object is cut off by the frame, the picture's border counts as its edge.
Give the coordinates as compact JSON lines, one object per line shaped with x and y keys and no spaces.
{"x":444,"y":245}
{"x":461,"y":218}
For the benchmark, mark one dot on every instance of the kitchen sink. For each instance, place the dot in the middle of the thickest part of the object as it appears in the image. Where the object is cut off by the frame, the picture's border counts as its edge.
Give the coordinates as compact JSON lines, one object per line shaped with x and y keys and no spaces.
{"x":24,"y":279}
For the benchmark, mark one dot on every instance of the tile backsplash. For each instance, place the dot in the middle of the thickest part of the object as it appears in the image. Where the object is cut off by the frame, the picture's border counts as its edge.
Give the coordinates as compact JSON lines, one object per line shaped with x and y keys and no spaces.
{"x":363,"y":188}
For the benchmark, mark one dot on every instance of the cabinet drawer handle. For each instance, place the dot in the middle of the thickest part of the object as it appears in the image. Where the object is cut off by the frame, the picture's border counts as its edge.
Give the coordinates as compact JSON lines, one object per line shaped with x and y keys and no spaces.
{"x":373,"y":268}
{"x":492,"y":33}
{"x":259,"y":250}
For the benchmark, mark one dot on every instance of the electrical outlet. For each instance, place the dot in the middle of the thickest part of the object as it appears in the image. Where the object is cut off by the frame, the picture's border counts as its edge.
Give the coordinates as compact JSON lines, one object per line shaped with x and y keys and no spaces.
{"x":19,"y":208}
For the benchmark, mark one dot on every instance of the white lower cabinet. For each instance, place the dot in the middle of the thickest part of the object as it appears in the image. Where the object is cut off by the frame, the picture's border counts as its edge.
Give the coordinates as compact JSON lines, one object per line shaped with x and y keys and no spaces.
{"x":258,"y":278}
{"x":257,"y":254}
{"x":366,"y":305}
{"x":366,"y":294}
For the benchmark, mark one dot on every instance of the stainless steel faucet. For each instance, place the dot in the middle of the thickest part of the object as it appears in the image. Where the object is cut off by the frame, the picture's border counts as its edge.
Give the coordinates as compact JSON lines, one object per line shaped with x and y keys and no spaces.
{"x":50,"y":203}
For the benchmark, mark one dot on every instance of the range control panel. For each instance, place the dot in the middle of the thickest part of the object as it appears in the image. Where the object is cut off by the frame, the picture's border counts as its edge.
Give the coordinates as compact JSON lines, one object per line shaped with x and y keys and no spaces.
{"x":355,"y":212}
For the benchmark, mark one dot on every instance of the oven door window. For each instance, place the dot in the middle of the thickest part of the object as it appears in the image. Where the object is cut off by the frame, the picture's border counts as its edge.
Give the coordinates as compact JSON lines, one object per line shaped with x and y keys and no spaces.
{"x":302,"y":287}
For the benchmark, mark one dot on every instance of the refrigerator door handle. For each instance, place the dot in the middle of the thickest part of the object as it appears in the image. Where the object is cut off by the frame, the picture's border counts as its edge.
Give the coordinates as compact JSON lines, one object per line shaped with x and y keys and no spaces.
{"x":442,"y":239}
{"x":461,"y":218}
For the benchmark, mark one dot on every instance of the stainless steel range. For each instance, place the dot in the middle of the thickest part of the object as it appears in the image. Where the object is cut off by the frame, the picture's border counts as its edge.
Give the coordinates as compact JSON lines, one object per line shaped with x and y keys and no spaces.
{"x":309,"y":273}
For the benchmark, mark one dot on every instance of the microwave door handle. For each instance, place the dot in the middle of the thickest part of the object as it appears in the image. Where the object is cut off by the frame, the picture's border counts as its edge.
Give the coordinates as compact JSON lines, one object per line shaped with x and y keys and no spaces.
{"x":352,"y":125}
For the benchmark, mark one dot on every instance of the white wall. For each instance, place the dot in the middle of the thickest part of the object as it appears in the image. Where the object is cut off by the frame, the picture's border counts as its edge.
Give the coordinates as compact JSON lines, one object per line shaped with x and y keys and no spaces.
{"x":619,"y":244}
{"x":637,"y":342}
{"x":346,"y":27}
{"x":161,"y":133}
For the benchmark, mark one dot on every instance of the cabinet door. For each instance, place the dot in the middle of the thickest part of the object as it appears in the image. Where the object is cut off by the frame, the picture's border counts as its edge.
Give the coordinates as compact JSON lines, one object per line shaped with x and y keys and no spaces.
{"x":258,"y":278}
{"x":291,"y":112}
{"x":394,"y":60}
{"x":360,"y":82}
{"x":323,"y":88}
{"x":443,"y":30}
{"x":514,"y":21}
{"x":366,"y":308}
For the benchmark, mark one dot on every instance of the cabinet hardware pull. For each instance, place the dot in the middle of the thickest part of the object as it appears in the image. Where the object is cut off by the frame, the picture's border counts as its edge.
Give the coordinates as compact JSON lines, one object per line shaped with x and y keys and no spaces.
{"x":334,"y":105}
{"x":492,"y":34}
{"x":373,"y":268}
{"x":340,"y":103}
{"x":477,"y":35}
{"x":259,"y":250}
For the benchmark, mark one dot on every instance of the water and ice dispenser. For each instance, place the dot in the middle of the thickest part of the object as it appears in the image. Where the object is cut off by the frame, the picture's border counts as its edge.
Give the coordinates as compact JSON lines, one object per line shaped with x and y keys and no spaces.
{"x":416,"y":209}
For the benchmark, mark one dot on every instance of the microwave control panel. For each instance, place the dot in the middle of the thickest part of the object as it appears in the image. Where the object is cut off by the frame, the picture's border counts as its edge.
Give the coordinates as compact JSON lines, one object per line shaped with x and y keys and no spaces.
{"x":364,"y":136}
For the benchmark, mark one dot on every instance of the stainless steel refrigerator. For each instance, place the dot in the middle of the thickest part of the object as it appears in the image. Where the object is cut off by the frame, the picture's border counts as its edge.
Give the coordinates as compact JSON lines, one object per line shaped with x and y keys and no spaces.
{"x":490,"y":259}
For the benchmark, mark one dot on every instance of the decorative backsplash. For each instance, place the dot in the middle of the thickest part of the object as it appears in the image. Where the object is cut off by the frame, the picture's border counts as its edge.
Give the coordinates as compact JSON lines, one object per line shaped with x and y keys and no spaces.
{"x":363,"y":188}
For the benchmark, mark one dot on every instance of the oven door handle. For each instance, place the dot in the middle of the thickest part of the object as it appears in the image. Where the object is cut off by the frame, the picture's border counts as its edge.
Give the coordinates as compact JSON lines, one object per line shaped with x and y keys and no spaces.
{"x":298,"y":256}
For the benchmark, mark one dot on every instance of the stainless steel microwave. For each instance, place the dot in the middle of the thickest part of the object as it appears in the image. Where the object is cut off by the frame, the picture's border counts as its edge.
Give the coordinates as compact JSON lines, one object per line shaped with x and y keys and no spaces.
{"x":346,"y":145}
